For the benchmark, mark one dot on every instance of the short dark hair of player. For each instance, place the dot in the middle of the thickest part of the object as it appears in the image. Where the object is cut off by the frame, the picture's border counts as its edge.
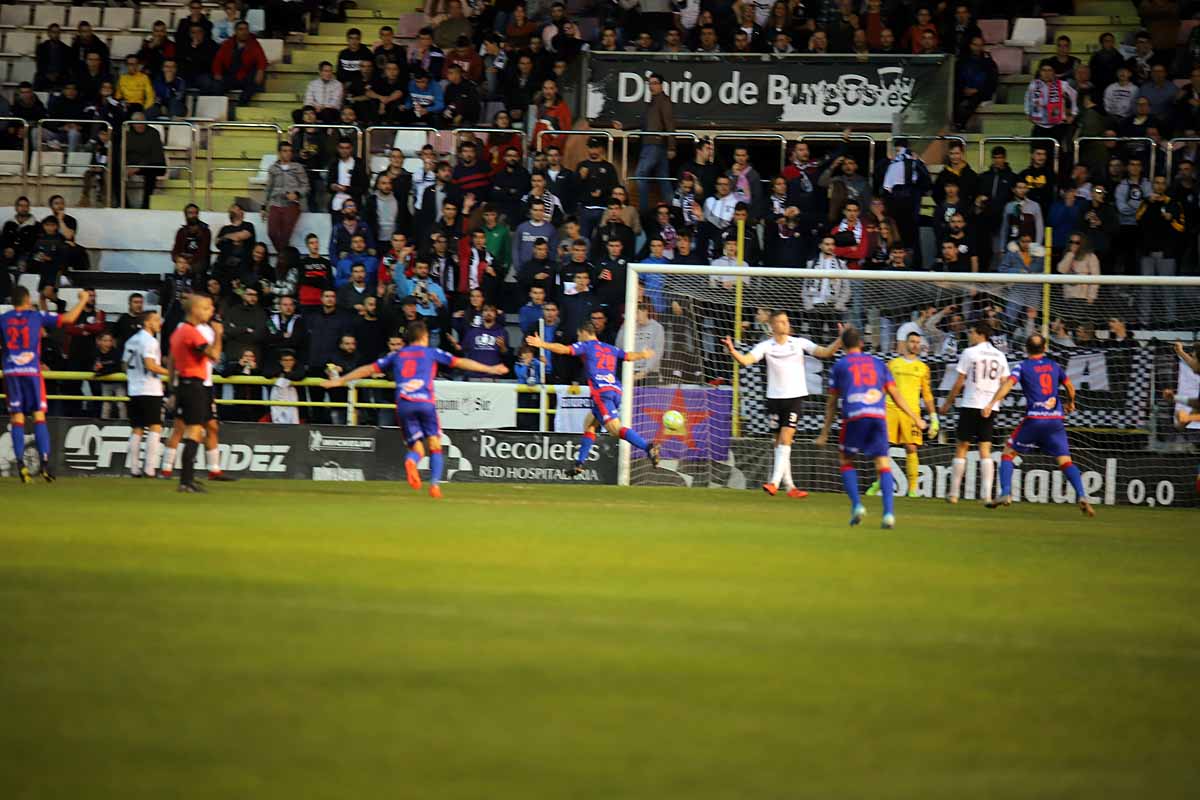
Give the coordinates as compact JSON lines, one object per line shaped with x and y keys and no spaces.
{"x":1035,"y":345}
{"x":145,"y":315}
{"x":912,"y":334}
{"x":20,"y":295}
{"x":982,"y":327}
{"x":779,"y":312}
{"x":851,"y":202}
{"x":416,"y":330}
{"x":587,"y":327}
{"x":851,"y":338}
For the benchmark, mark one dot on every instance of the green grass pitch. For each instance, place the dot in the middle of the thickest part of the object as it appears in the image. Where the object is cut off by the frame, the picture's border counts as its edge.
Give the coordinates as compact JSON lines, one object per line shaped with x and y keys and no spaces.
{"x":301,"y":640}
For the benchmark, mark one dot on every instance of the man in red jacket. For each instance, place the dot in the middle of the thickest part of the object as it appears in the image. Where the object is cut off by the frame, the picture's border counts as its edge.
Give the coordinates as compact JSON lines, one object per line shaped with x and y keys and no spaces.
{"x":241,"y":64}
{"x":849,"y":236}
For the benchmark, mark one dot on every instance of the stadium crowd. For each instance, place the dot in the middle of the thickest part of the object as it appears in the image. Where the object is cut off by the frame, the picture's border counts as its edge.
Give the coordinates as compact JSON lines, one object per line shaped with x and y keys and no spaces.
{"x":499,"y":235}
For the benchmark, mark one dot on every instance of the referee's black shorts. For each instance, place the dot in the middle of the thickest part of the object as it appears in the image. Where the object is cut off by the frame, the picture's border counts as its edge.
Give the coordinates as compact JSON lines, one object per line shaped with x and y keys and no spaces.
{"x":973,"y":426}
{"x":145,"y":411}
{"x":193,"y":401}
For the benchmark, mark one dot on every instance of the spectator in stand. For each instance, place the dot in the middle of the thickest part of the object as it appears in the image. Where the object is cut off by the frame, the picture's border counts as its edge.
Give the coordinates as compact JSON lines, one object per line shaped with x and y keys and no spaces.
{"x":425,"y":101}
{"x":486,"y":343}
{"x":1065,"y":218}
{"x":54,"y":61}
{"x":193,"y":240}
{"x":960,"y":172}
{"x":911,"y":40}
{"x":460,"y":97}
{"x":134,"y":87}
{"x":446,"y":32}
{"x":48,"y":255}
{"x":1144,"y":58}
{"x":286,"y":330}
{"x":577,"y":302}
{"x":347,"y":180}
{"x":235,"y":242}
{"x":324,"y":94}
{"x":978,"y":77}
{"x":1119,"y":97}
{"x":316,"y":274}
{"x":1105,"y":63}
{"x":359,"y":254}
{"x":995,"y":191}
{"x":471,"y":177}
{"x":649,"y":334}
{"x":1078,"y":259}
{"x":1021,"y":260}
{"x":283,"y":282}
{"x":1162,"y":242}
{"x":388,"y":92}
{"x":427,"y":293}
{"x":286,"y":192}
{"x":352,"y":295}
{"x":326,"y":326}
{"x":225,"y":27}
{"x":241,"y":65}
{"x":156,"y":49}
{"x":539,"y":271}
{"x":609,"y":279}
{"x":1128,"y":197}
{"x":86,"y":41}
{"x":358,"y":93}
{"x":426,"y":56}
{"x":844,"y":182}
{"x":613,"y":227}
{"x":385,"y":211}
{"x":195,"y":57}
{"x":533,"y":311}
{"x":170,"y":92}
{"x":388,"y":52}
{"x":67,"y":105}
{"x":144,"y":151}
{"x":129,"y":323}
{"x":1102,"y":227}
{"x":521,"y":86}
{"x":1062,"y":62}
{"x":905,"y":180}
{"x":350,"y":57}
{"x":1160,"y":92}
{"x":245,"y":324}
{"x":477,"y":267}
{"x":1022,"y":216}
{"x":959,"y":31}
{"x":195,"y":16}
{"x":1051,"y":106}
{"x":1040,"y":178}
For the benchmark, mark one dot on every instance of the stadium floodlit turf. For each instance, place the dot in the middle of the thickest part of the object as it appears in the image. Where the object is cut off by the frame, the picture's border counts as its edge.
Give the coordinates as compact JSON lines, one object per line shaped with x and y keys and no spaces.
{"x":301,"y":640}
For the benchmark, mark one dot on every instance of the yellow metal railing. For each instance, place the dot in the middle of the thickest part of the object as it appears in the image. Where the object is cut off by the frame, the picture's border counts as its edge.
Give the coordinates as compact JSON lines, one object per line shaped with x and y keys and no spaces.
{"x":351,"y":405}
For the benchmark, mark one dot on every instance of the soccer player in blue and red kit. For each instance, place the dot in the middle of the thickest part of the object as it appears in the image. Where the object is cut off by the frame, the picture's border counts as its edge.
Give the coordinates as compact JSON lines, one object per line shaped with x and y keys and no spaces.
{"x":414,"y":368}
{"x":863,"y":383}
{"x":21,"y":337}
{"x":1043,"y":428}
{"x":601,"y":362}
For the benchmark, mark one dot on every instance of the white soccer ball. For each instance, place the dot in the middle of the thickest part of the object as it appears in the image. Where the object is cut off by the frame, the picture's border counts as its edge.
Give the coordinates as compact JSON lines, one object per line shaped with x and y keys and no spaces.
{"x":672,"y":420}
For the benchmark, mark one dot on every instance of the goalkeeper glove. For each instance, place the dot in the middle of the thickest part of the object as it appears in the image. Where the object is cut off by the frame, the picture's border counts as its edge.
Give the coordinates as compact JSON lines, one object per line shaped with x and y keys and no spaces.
{"x":934,"y":425}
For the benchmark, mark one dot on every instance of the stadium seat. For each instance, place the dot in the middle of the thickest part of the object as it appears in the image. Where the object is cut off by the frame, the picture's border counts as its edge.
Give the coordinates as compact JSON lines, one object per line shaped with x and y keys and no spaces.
{"x":123,"y":45}
{"x":1027,"y":31}
{"x":213,"y":107}
{"x":1009,"y":60}
{"x":52,"y":162}
{"x":264,"y":164}
{"x":257,"y":18}
{"x":77,"y":164}
{"x":178,"y":138}
{"x":45,"y":15}
{"x":14,"y":16}
{"x":995,"y":31}
{"x":443,"y":141}
{"x":413,"y":164}
{"x":21,"y":42}
{"x":378,"y":164}
{"x":273,"y":49}
{"x":89,"y":14}
{"x":22,"y":70}
{"x":410,"y":141}
{"x":30,"y":282}
{"x":118,"y":19}
{"x":408,"y":25}
{"x":10,"y":162}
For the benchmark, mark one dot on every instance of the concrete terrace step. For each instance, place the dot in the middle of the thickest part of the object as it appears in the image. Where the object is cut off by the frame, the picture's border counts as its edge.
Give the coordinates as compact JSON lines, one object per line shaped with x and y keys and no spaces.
{"x":1103,"y":8}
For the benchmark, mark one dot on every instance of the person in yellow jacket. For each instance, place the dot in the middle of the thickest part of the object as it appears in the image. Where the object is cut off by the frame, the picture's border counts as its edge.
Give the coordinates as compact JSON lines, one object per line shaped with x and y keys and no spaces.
{"x":134,"y":85}
{"x":912,"y":380}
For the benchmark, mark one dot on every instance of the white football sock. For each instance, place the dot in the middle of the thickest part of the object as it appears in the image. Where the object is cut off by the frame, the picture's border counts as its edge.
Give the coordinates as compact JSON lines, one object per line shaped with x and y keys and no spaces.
{"x":958,"y":468}
{"x":169,"y":461}
{"x":777,"y":470}
{"x":988,"y":467}
{"x":213,"y":458}
{"x":135,"y":453}
{"x":786,"y":455}
{"x":153,"y":452}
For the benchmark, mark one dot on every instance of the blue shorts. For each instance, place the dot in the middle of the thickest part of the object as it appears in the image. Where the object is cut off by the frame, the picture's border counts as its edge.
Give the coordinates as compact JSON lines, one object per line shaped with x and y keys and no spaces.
{"x":417,"y":420}
{"x":1046,"y":435}
{"x":606,"y":405}
{"x":26,"y":394}
{"x":866,"y":436}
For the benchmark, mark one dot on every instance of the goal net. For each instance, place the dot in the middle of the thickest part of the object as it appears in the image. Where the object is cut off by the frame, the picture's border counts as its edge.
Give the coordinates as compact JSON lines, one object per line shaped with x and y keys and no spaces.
{"x":1113,"y":335}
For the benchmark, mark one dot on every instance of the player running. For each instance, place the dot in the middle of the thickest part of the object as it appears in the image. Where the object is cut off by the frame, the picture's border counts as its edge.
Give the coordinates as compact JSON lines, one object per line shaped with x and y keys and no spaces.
{"x":144,"y":374}
{"x":787,"y":386}
{"x":600,"y":361}
{"x":912,"y":379}
{"x":862,"y":382}
{"x":981,"y":369}
{"x":414,"y":368}
{"x":21,"y":329}
{"x":192,"y":356}
{"x":1042,"y":429}
{"x":212,"y":425}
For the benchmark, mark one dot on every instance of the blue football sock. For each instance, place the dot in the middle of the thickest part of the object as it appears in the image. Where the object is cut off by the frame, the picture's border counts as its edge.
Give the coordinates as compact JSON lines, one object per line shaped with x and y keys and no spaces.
{"x":41,"y":435}
{"x":1006,"y":473}
{"x":850,"y":483}
{"x":1072,"y":472}
{"x":18,"y":439}
{"x":585,"y":447}
{"x":631,"y":436}
{"x":436,"y":462}
{"x":887,"y":485}
{"x":413,"y":456}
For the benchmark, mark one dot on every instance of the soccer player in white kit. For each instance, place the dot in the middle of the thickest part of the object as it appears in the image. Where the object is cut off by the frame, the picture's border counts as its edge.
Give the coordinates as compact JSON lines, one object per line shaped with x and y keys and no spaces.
{"x":787,"y":386}
{"x":981,"y":369}
{"x":144,"y":375}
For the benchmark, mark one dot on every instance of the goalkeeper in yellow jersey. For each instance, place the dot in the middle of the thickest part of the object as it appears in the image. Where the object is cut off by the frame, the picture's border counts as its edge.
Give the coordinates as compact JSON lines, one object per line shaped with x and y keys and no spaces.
{"x":912,"y":380}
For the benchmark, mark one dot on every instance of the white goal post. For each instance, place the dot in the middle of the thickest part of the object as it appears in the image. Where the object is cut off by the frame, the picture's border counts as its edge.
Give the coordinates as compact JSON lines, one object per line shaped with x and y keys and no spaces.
{"x":728,"y":290}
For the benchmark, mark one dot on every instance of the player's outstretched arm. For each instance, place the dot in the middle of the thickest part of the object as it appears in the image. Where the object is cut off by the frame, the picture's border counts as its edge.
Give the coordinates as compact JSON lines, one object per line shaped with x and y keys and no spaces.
{"x":1069,"y":406}
{"x":72,"y":315}
{"x":744,"y":359}
{"x":553,"y":347}
{"x":902,"y":404}
{"x":949,"y":403}
{"x":1192,"y":362}
{"x":830,"y":408}
{"x":475,"y":366}
{"x":640,"y":355}
{"x":365,"y":371}
{"x":829,"y":350}
{"x":1001,"y":393}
